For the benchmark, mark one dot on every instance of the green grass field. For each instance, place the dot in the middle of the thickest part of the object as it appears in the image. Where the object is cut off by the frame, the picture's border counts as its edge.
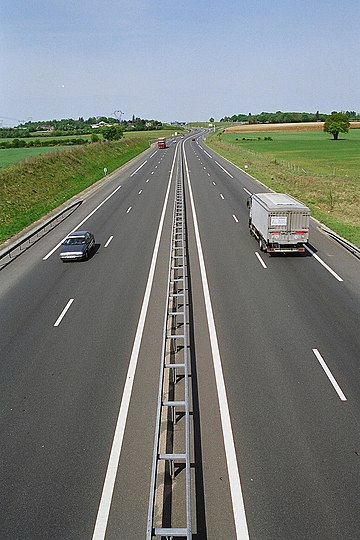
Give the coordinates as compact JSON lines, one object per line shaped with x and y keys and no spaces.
{"x":311,"y":166}
{"x":315,"y":151}
{"x":13,"y":155}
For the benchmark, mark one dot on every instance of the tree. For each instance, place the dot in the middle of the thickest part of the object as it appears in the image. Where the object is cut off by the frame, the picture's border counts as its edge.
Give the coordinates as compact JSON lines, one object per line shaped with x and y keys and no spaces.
{"x":112,"y":133}
{"x":212,"y":120}
{"x":336,"y":123}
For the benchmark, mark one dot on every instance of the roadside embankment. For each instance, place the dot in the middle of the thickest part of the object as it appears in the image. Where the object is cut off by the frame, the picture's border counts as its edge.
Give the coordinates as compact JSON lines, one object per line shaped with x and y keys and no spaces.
{"x":31,"y":188}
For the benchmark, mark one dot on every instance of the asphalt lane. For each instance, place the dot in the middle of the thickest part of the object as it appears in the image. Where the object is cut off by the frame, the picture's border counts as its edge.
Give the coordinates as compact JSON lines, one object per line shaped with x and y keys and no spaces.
{"x":296,"y":440}
{"x":61,"y":386}
{"x":297,"y":443}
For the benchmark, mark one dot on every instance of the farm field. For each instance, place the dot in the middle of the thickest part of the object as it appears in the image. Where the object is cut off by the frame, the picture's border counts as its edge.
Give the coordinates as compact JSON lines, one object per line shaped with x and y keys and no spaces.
{"x":14,"y":155}
{"x":310,"y":165}
{"x":315,"y":151}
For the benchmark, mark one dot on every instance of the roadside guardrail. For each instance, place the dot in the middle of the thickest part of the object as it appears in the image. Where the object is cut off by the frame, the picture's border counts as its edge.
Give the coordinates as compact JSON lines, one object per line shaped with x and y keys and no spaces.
{"x":38,"y":232}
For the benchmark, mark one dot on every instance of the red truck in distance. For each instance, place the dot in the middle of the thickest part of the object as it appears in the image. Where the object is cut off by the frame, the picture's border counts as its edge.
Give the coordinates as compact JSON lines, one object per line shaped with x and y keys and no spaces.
{"x":161,"y":142}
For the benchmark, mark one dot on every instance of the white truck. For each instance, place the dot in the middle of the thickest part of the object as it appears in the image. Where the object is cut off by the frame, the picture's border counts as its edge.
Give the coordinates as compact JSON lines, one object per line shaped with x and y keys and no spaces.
{"x":279,"y":222}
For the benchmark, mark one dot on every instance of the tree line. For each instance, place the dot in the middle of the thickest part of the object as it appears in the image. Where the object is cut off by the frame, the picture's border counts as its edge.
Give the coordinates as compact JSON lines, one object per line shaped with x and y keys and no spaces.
{"x":70,"y":126}
{"x":280,"y":117}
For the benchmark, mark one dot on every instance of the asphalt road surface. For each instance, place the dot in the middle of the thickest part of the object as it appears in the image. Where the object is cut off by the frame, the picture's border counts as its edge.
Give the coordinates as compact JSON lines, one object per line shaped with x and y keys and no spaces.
{"x":274,"y":367}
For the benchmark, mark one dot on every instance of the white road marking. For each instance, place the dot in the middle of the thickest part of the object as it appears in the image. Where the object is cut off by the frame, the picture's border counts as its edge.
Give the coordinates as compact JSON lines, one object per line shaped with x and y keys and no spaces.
{"x":108,"y":242}
{"x":222,"y":196}
{"x":140,"y":192}
{"x":208,"y":154}
{"x":147,"y":180}
{"x":214,"y":184}
{"x":153,"y":154}
{"x":81,"y":223}
{"x":260,"y":259}
{"x":247,"y":191}
{"x":109,"y":483}
{"x":221,"y":167}
{"x":232,"y":466}
{"x":235,"y":219}
{"x":63,"y":313}
{"x":138,"y":169}
{"x":204,"y":168}
{"x":329,"y":375}
{"x":332,"y":272}
{"x":152,"y":172}
{"x":208,"y":174}
{"x":128,"y":210}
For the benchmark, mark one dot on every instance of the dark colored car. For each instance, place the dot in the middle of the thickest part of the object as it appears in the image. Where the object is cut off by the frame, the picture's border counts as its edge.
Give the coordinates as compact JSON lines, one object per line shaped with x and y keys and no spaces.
{"x":78,"y":245}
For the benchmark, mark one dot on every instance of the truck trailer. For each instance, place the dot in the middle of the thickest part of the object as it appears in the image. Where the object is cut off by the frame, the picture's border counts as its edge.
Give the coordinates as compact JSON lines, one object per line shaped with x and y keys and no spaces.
{"x":161,"y":142}
{"x":279,"y":222}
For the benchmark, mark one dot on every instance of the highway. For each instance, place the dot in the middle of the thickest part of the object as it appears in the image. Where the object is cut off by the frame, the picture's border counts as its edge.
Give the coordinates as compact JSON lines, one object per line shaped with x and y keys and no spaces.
{"x":274,"y":367}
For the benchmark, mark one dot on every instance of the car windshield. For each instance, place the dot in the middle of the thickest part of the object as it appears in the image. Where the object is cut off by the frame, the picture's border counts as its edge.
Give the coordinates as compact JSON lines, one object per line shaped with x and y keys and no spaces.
{"x":74,"y":241}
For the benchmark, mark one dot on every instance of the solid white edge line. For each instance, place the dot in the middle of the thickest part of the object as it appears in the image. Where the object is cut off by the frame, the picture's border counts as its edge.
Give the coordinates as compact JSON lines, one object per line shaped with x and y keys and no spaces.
{"x":233,"y":471}
{"x":63,"y":313}
{"x":108,"y":242}
{"x":138,"y":169}
{"x":260,"y":259}
{"x":247,"y":191}
{"x":109,"y":483}
{"x":332,"y":272}
{"x":81,"y":222}
{"x":221,"y":167}
{"x":329,"y":375}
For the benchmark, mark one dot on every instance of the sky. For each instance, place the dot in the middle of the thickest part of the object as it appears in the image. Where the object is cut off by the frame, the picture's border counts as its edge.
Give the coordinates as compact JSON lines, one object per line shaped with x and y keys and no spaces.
{"x":171,"y":60}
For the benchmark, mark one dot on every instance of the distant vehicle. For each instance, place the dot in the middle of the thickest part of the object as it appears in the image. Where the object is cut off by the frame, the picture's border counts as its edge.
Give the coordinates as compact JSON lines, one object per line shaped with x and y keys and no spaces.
{"x":78,"y":245}
{"x":161,"y":142}
{"x":279,"y":222}
{"x":193,"y":139}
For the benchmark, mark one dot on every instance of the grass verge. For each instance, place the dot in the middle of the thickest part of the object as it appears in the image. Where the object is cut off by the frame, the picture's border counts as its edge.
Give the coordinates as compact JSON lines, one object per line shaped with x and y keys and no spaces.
{"x":31,"y":188}
{"x":301,"y":167}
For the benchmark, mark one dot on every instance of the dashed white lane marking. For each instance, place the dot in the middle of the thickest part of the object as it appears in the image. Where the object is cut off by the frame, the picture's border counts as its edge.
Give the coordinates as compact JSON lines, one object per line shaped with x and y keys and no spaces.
{"x":140,"y":192}
{"x":214,"y":184}
{"x":260,"y":259}
{"x":329,"y":375}
{"x":147,"y":180}
{"x":222,"y":196}
{"x":128,"y":210}
{"x":235,"y":219}
{"x":247,"y":191}
{"x":221,"y":167}
{"x":208,"y":154}
{"x":63,"y":313}
{"x":242,"y":532}
{"x":138,"y":169}
{"x":153,"y":154}
{"x":332,"y":272}
{"x":108,"y":242}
